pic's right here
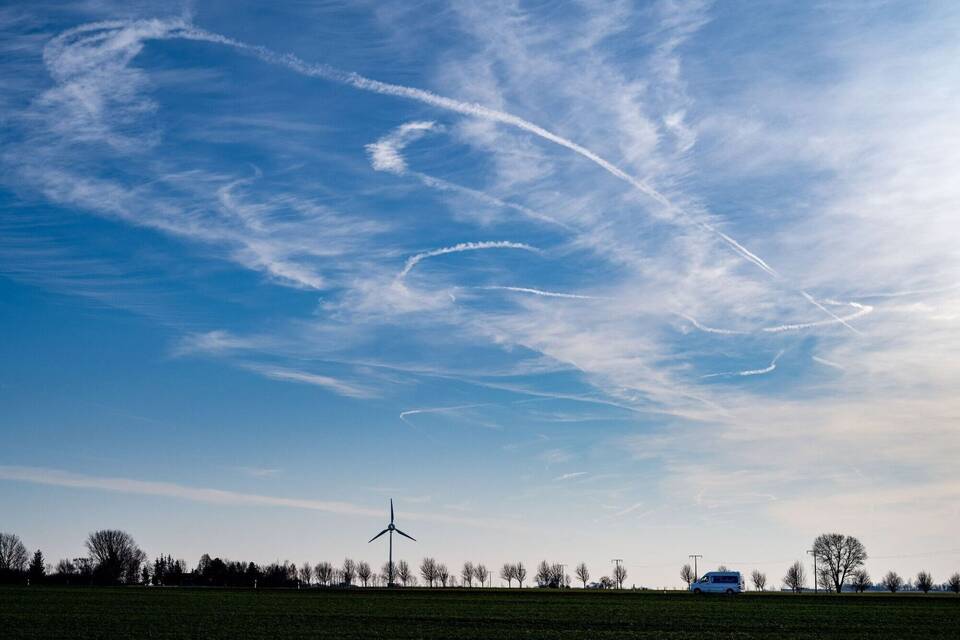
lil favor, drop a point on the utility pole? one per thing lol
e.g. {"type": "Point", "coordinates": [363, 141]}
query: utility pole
{"type": "Point", "coordinates": [816, 577]}
{"type": "Point", "coordinates": [696, 576]}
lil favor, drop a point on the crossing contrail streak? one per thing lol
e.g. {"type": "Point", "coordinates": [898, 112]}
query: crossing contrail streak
{"type": "Point", "coordinates": [160, 29]}
{"type": "Point", "coordinates": [412, 261]}
{"type": "Point", "coordinates": [480, 111]}
{"type": "Point", "coordinates": [861, 310]}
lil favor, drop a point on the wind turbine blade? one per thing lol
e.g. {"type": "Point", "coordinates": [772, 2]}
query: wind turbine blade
{"type": "Point", "coordinates": [405, 535]}
{"type": "Point", "coordinates": [391, 510]}
{"type": "Point", "coordinates": [377, 536]}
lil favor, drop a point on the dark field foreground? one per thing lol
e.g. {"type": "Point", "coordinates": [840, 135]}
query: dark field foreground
{"type": "Point", "coordinates": [456, 613]}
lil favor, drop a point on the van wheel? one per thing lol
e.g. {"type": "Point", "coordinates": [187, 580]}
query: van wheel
{"type": "Point", "coordinates": [697, 591]}
{"type": "Point", "coordinates": [729, 592]}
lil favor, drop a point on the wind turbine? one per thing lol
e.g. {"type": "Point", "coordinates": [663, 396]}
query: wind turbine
{"type": "Point", "coordinates": [390, 529]}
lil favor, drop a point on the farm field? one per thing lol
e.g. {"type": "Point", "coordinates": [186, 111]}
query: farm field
{"type": "Point", "coordinates": [47, 612]}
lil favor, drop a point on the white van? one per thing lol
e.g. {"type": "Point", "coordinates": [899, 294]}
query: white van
{"type": "Point", "coordinates": [719, 582]}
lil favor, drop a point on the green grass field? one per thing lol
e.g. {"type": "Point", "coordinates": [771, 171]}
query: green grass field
{"type": "Point", "coordinates": [494, 613]}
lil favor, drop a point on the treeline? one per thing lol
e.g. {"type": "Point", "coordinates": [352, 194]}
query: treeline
{"type": "Point", "coordinates": [838, 566]}
{"type": "Point", "coordinates": [113, 558]}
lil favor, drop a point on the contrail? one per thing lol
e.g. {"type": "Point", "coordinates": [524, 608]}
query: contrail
{"type": "Point", "coordinates": [386, 155]}
{"type": "Point", "coordinates": [158, 29]}
{"type": "Point", "coordinates": [412, 261]}
{"type": "Point", "coordinates": [706, 329]}
{"type": "Point", "coordinates": [828, 363]}
{"type": "Point", "coordinates": [749, 372]}
{"type": "Point", "coordinates": [480, 111]}
{"type": "Point", "coordinates": [540, 292]}
{"type": "Point", "coordinates": [412, 412]}
{"type": "Point", "coordinates": [862, 310]}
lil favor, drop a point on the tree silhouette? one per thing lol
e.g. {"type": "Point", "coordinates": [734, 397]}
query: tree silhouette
{"type": "Point", "coordinates": [481, 574]}
{"type": "Point", "coordinates": [953, 583]}
{"type": "Point", "coordinates": [860, 580]}
{"type": "Point", "coordinates": [364, 572]}
{"type": "Point", "coordinates": [544, 574]}
{"type": "Point", "coordinates": [619, 574]}
{"type": "Point", "coordinates": [892, 582]}
{"type": "Point", "coordinates": [348, 572]}
{"type": "Point", "coordinates": [686, 574]}
{"type": "Point", "coordinates": [115, 556]}
{"type": "Point", "coordinates": [837, 556]}
{"type": "Point", "coordinates": [466, 574]}
{"type": "Point", "coordinates": [443, 574]}
{"type": "Point", "coordinates": [924, 581]}
{"type": "Point", "coordinates": [13, 558]}
{"type": "Point", "coordinates": [796, 577]}
{"type": "Point", "coordinates": [520, 573]}
{"type": "Point", "coordinates": [759, 580]}
{"type": "Point", "coordinates": [403, 572]}
{"type": "Point", "coordinates": [583, 574]}
{"type": "Point", "coordinates": [324, 573]}
{"type": "Point", "coordinates": [37, 570]}
{"type": "Point", "coordinates": [306, 574]}
{"type": "Point", "coordinates": [428, 569]}
{"type": "Point", "coordinates": [506, 573]}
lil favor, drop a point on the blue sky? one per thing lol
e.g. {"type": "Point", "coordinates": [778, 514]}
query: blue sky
{"type": "Point", "coordinates": [602, 280]}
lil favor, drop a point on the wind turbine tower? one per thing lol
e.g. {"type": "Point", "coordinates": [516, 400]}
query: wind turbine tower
{"type": "Point", "coordinates": [390, 529]}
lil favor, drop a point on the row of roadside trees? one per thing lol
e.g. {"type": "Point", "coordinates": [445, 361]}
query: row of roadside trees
{"type": "Point", "coordinates": [839, 560]}
{"type": "Point", "coordinates": [113, 558]}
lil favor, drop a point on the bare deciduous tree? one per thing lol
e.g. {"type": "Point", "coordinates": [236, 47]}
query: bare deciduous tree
{"type": "Point", "coordinates": [481, 573]}
{"type": "Point", "coordinates": [924, 581]}
{"type": "Point", "coordinates": [66, 568]}
{"type": "Point", "coordinates": [349, 571]}
{"type": "Point", "coordinates": [443, 574]}
{"type": "Point", "coordinates": [557, 577]}
{"type": "Point", "coordinates": [389, 573]}
{"type": "Point", "coordinates": [466, 574]}
{"type": "Point", "coordinates": [324, 573]}
{"type": "Point", "coordinates": [892, 582]}
{"type": "Point", "coordinates": [759, 580]}
{"type": "Point", "coordinates": [583, 574]}
{"type": "Point", "coordinates": [428, 569]}
{"type": "Point", "coordinates": [860, 580]}
{"type": "Point", "coordinates": [686, 574]}
{"type": "Point", "coordinates": [619, 575]}
{"type": "Point", "coordinates": [403, 572]}
{"type": "Point", "coordinates": [543, 574]}
{"type": "Point", "coordinates": [13, 555]}
{"type": "Point", "coordinates": [837, 556]}
{"type": "Point", "coordinates": [796, 577]}
{"type": "Point", "coordinates": [364, 572]}
{"type": "Point", "coordinates": [520, 573]}
{"type": "Point", "coordinates": [115, 556]}
{"type": "Point", "coordinates": [306, 574]}
{"type": "Point", "coordinates": [506, 573]}
{"type": "Point", "coordinates": [953, 583]}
